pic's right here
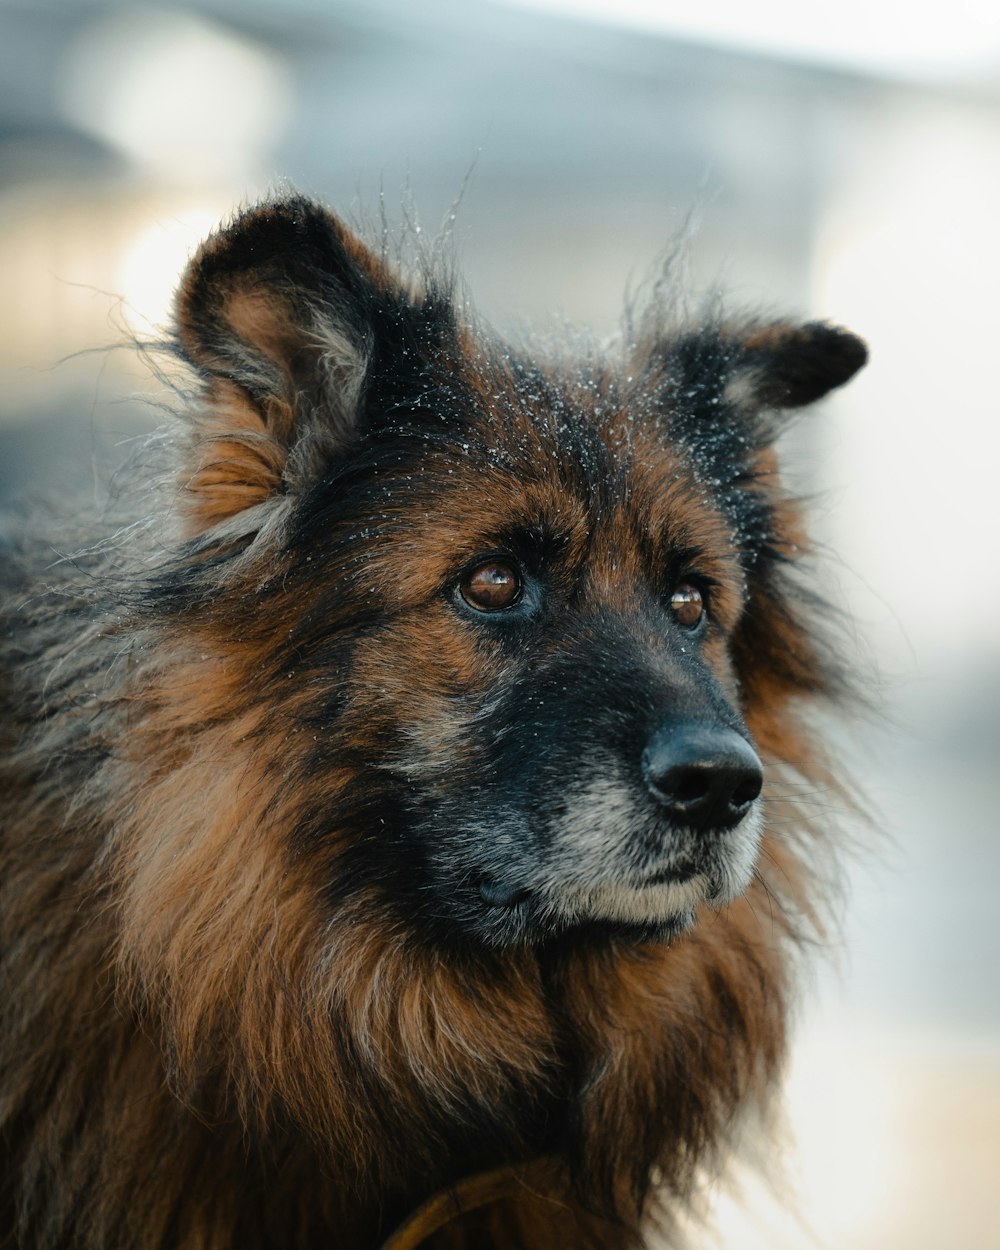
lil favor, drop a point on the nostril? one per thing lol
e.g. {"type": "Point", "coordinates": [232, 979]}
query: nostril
{"type": "Point", "coordinates": [747, 790]}
{"type": "Point", "coordinates": [685, 785]}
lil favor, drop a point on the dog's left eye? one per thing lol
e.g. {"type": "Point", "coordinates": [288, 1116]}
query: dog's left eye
{"type": "Point", "coordinates": [491, 586]}
{"type": "Point", "coordinates": [687, 605]}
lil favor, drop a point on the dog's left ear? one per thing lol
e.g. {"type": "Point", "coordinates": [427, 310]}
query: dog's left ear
{"type": "Point", "coordinates": [290, 321]}
{"type": "Point", "coordinates": [731, 369]}
{"type": "Point", "coordinates": [788, 366]}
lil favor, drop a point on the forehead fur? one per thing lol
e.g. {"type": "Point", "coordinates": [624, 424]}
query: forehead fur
{"type": "Point", "coordinates": [576, 459]}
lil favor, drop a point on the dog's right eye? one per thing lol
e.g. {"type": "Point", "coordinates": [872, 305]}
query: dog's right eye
{"type": "Point", "coordinates": [491, 586]}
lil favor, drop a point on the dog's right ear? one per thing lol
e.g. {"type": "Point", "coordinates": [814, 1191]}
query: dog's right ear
{"type": "Point", "coordinates": [287, 316]}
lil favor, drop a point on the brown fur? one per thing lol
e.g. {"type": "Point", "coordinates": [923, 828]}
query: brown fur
{"type": "Point", "coordinates": [199, 1049]}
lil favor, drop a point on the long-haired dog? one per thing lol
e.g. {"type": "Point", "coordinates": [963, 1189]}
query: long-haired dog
{"type": "Point", "coordinates": [392, 825]}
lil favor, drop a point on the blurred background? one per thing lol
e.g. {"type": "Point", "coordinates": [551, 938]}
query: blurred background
{"type": "Point", "coordinates": [838, 161]}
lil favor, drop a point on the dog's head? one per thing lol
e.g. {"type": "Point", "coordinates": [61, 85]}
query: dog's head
{"type": "Point", "coordinates": [517, 624]}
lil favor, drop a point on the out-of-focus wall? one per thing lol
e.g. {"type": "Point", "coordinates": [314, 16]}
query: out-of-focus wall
{"type": "Point", "coordinates": [581, 150]}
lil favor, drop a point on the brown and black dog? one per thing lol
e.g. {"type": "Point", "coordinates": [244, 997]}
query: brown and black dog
{"type": "Point", "coordinates": [402, 801]}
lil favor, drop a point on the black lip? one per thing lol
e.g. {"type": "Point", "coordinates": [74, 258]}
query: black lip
{"type": "Point", "coordinates": [675, 874]}
{"type": "Point", "coordinates": [495, 893]}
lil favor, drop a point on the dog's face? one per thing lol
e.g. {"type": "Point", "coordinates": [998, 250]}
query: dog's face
{"type": "Point", "coordinates": [549, 673]}
{"type": "Point", "coordinates": [522, 592]}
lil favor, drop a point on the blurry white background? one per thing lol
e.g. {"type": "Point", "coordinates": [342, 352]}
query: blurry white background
{"type": "Point", "coordinates": [840, 162]}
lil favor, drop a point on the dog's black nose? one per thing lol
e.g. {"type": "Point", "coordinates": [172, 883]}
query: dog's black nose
{"type": "Point", "coordinates": [705, 776]}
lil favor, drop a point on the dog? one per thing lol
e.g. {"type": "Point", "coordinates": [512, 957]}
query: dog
{"type": "Point", "coordinates": [394, 841]}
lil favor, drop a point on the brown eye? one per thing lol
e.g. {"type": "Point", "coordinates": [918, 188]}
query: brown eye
{"type": "Point", "coordinates": [687, 605]}
{"type": "Point", "coordinates": [491, 586]}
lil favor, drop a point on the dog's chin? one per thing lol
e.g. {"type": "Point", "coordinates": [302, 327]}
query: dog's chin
{"type": "Point", "coordinates": [638, 911]}
{"type": "Point", "coordinates": [643, 903]}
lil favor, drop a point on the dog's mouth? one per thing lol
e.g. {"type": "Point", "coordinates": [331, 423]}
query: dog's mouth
{"type": "Point", "coordinates": [672, 874]}
{"type": "Point", "coordinates": [635, 881]}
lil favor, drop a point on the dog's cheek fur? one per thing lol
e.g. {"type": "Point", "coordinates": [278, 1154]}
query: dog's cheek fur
{"type": "Point", "coordinates": [779, 649]}
{"type": "Point", "coordinates": [429, 680]}
{"type": "Point", "coordinates": [341, 1025]}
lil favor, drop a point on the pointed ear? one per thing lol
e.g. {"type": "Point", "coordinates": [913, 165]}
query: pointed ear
{"type": "Point", "coordinates": [721, 389]}
{"type": "Point", "coordinates": [788, 366]}
{"type": "Point", "coordinates": [284, 314]}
